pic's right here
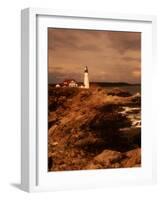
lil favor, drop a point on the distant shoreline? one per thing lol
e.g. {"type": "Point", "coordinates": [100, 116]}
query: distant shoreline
{"type": "Point", "coordinates": [108, 84]}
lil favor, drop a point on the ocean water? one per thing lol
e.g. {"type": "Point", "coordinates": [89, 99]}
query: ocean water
{"type": "Point", "coordinates": [133, 89]}
{"type": "Point", "coordinates": [133, 114]}
{"type": "Point", "coordinates": [130, 112]}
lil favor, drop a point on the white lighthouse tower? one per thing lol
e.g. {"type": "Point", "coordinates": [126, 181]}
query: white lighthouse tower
{"type": "Point", "coordinates": [86, 78]}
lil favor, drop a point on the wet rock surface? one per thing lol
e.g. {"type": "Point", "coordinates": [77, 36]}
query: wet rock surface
{"type": "Point", "coordinates": [89, 129]}
{"type": "Point", "coordinates": [119, 92]}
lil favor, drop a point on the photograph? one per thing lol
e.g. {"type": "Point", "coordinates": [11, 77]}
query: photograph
{"type": "Point", "coordinates": [94, 99]}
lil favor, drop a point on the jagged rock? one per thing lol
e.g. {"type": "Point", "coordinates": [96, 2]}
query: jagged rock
{"type": "Point", "coordinates": [136, 99]}
{"type": "Point", "coordinates": [133, 158]}
{"type": "Point", "coordinates": [130, 137]}
{"type": "Point", "coordinates": [107, 157]}
{"type": "Point", "coordinates": [108, 120]}
{"type": "Point", "coordinates": [119, 92]}
{"type": "Point", "coordinates": [84, 94]}
{"type": "Point", "coordinates": [92, 165]}
{"type": "Point", "coordinates": [52, 129]}
{"type": "Point", "coordinates": [88, 142]}
{"type": "Point", "coordinates": [59, 96]}
{"type": "Point", "coordinates": [86, 130]}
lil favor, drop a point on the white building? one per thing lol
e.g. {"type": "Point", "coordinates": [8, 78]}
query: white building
{"type": "Point", "coordinates": [86, 78]}
{"type": "Point", "coordinates": [73, 83]}
{"type": "Point", "coordinates": [69, 83]}
{"type": "Point", "coordinates": [57, 85]}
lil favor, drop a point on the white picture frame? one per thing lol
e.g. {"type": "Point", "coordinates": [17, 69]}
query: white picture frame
{"type": "Point", "coordinates": [34, 176]}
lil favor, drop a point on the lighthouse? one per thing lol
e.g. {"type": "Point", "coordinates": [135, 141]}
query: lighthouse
{"type": "Point", "coordinates": [86, 78]}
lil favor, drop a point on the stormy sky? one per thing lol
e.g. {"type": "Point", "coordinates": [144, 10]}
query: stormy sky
{"type": "Point", "coordinates": [111, 56]}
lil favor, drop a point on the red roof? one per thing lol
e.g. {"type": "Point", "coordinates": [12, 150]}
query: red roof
{"type": "Point", "coordinates": [67, 81]}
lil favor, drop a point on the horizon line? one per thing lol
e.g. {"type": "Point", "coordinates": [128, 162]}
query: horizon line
{"type": "Point", "coordinates": [119, 82]}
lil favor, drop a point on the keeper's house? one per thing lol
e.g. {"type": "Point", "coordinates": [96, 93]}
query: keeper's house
{"type": "Point", "coordinates": [69, 83]}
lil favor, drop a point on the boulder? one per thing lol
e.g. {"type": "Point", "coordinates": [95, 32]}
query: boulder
{"type": "Point", "coordinates": [109, 120]}
{"type": "Point", "coordinates": [108, 157]}
{"type": "Point", "coordinates": [88, 141]}
{"type": "Point", "coordinates": [133, 158]}
{"type": "Point", "coordinates": [92, 165]}
{"type": "Point", "coordinates": [119, 92]}
{"type": "Point", "coordinates": [136, 99]}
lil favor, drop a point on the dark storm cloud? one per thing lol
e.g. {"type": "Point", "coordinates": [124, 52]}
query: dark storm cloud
{"type": "Point", "coordinates": [109, 55]}
{"type": "Point", "coordinates": [71, 41]}
{"type": "Point", "coordinates": [58, 39]}
{"type": "Point", "coordinates": [124, 41]}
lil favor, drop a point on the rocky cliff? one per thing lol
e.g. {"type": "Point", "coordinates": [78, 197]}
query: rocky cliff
{"type": "Point", "coordinates": [89, 129]}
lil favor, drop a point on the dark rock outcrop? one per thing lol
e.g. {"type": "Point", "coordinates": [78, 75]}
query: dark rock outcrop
{"type": "Point", "coordinates": [119, 92]}
{"type": "Point", "coordinates": [88, 131]}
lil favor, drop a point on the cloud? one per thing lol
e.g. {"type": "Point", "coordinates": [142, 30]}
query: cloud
{"type": "Point", "coordinates": [56, 76]}
{"type": "Point", "coordinates": [131, 59]}
{"type": "Point", "coordinates": [124, 41]}
{"type": "Point", "coordinates": [109, 55]}
{"type": "Point", "coordinates": [136, 73]}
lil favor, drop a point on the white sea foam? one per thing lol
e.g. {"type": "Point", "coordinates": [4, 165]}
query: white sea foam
{"type": "Point", "coordinates": [134, 115]}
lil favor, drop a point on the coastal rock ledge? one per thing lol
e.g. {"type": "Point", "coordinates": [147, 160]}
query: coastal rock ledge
{"type": "Point", "coordinates": [89, 129]}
